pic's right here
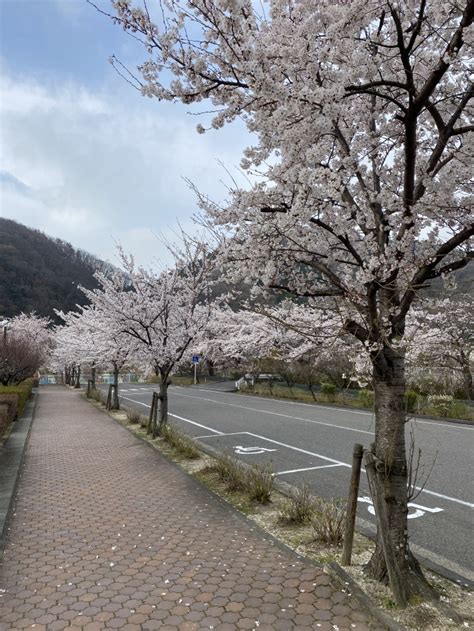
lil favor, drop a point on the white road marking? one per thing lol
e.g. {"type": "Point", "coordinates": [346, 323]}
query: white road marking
{"type": "Point", "coordinates": [133, 401]}
{"type": "Point", "coordinates": [187, 420]}
{"type": "Point", "coordinates": [419, 510]}
{"type": "Point", "coordinates": [423, 490]}
{"type": "Point", "coordinates": [303, 451]}
{"type": "Point", "coordinates": [209, 429]}
{"type": "Point", "coordinates": [333, 408]}
{"type": "Point", "coordinates": [445, 497]}
{"type": "Point", "coordinates": [251, 451]}
{"type": "Point", "coordinates": [295, 418]}
{"type": "Point", "coordinates": [323, 466]}
{"type": "Point", "coordinates": [452, 426]}
{"type": "Point", "coordinates": [222, 434]}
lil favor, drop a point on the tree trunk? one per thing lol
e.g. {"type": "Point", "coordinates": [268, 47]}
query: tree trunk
{"type": "Point", "coordinates": [387, 474]}
{"type": "Point", "coordinates": [93, 373]}
{"type": "Point", "coordinates": [115, 396]}
{"type": "Point", "coordinates": [210, 367]}
{"type": "Point", "coordinates": [467, 377]}
{"type": "Point", "coordinates": [163, 412]}
{"type": "Point", "coordinates": [77, 384]}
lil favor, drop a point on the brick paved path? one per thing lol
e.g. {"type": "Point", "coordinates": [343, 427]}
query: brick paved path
{"type": "Point", "coordinates": [108, 534]}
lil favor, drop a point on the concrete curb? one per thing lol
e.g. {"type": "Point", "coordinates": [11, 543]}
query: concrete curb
{"type": "Point", "coordinates": [12, 454]}
{"type": "Point", "coordinates": [337, 572]}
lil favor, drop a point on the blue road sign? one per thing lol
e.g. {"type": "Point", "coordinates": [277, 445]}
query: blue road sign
{"type": "Point", "coordinates": [196, 359]}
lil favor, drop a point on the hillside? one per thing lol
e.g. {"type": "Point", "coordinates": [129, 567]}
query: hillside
{"type": "Point", "coordinates": [39, 273]}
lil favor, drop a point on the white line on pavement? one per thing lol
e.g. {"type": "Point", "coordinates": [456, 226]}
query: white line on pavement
{"type": "Point", "coordinates": [333, 408]}
{"type": "Point", "coordinates": [445, 497]}
{"type": "Point", "coordinates": [187, 420]}
{"type": "Point", "coordinates": [423, 490]}
{"type": "Point", "coordinates": [324, 466]}
{"type": "Point", "coordinates": [145, 405]}
{"type": "Point", "coordinates": [303, 451]}
{"type": "Point", "coordinates": [222, 434]}
{"type": "Point", "coordinates": [295, 418]}
{"type": "Point", "coordinates": [209, 429]}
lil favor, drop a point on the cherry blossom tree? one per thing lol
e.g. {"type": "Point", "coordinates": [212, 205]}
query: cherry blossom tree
{"type": "Point", "coordinates": [35, 330]}
{"type": "Point", "coordinates": [24, 347]}
{"type": "Point", "coordinates": [363, 120]}
{"type": "Point", "coordinates": [160, 314]}
{"type": "Point", "coordinates": [443, 337]}
{"type": "Point", "coordinates": [88, 337]}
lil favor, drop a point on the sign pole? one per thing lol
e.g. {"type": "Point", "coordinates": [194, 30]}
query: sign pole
{"type": "Point", "coordinates": [195, 374]}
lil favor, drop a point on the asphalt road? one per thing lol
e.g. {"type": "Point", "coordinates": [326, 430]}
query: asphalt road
{"type": "Point", "coordinates": [313, 444]}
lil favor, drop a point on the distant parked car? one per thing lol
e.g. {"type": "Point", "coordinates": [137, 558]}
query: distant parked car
{"type": "Point", "coordinates": [250, 380]}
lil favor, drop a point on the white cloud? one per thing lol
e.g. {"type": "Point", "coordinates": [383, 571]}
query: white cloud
{"type": "Point", "coordinates": [94, 167]}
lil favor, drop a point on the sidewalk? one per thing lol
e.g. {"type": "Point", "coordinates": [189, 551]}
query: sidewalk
{"type": "Point", "coordinates": [107, 533]}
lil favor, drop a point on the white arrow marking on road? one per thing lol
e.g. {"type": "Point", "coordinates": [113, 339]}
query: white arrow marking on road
{"type": "Point", "coordinates": [250, 451]}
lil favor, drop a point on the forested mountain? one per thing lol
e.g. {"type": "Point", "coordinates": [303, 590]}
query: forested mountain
{"type": "Point", "coordinates": [39, 273]}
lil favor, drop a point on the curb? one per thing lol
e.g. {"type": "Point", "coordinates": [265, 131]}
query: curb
{"type": "Point", "coordinates": [12, 454]}
{"type": "Point", "coordinates": [338, 573]}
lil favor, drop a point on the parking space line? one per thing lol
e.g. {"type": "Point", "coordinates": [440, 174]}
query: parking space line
{"type": "Point", "coordinates": [303, 451]}
{"type": "Point", "coordinates": [324, 466]}
{"type": "Point", "coordinates": [181, 418]}
{"type": "Point", "coordinates": [221, 434]}
{"type": "Point", "coordinates": [209, 429]}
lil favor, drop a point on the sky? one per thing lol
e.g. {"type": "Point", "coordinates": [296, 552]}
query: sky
{"type": "Point", "coordinates": [83, 156]}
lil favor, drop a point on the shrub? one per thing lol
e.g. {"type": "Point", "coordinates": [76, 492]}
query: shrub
{"type": "Point", "coordinates": [459, 409]}
{"type": "Point", "coordinates": [179, 441]}
{"type": "Point", "coordinates": [231, 472]}
{"type": "Point", "coordinates": [15, 399]}
{"type": "Point", "coordinates": [329, 521]}
{"type": "Point", "coordinates": [328, 389]}
{"type": "Point", "coordinates": [133, 416]}
{"type": "Point", "coordinates": [441, 403]}
{"type": "Point", "coordinates": [256, 482]}
{"type": "Point", "coordinates": [366, 398]}
{"type": "Point", "coordinates": [412, 400]}
{"type": "Point", "coordinates": [299, 507]}
{"type": "Point", "coordinates": [23, 390]}
{"type": "Point", "coordinates": [259, 483]}
{"type": "Point", "coordinates": [97, 395]}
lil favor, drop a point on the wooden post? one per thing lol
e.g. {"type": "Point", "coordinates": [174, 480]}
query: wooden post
{"type": "Point", "coordinates": [352, 504]}
{"type": "Point", "coordinates": [396, 581]}
{"type": "Point", "coordinates": [153, 412]}
{"type": "Point", "coordinates": [109, 398]}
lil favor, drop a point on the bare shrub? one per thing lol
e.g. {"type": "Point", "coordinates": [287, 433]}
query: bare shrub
{"type": "Point", "coordinates": [229, 471]}
{"type": "Point", "coordinates": [133, 416]}
{"type": "Point", "coordinates": [329, 520]}
{"type": "Point", "coordinates": [259, 483]}
{"type": "Point", "coordinates": [18, 360]}
{"type": "Point", "coordinates": [299, 507]}
{"type": "Point", "coordinates": [179, 441]}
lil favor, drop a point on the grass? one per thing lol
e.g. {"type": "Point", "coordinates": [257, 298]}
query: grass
{"type": "Point", "coordinates": [256, 482]}
{"type": "Point", "coordinates": [299, 507]}
{"type": "Point", "coordinates": [329, 520]}
{"type": "Point", "coordinates": [180, 442]}
{"type": "Point", "coordinates": [134, 417]}
{"type": "Point", "coordinates": [364, 401]}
